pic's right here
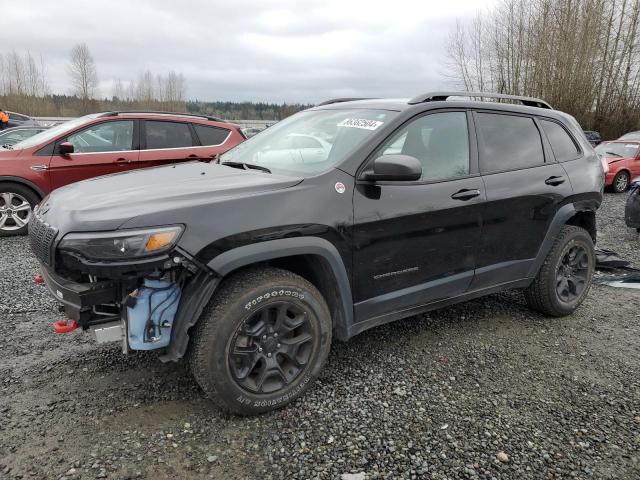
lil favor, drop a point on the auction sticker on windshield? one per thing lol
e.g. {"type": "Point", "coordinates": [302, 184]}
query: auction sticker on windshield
{"type": "Point", "coordinates": [360, 123]}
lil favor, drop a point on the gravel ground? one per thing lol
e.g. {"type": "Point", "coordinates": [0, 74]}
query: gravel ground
{"type": "Point", "coordinates": [487, 389]}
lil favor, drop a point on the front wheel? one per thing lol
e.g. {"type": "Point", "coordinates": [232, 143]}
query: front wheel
{"type": "Point", "coordinates": [565, 276]}
{"type": "Point", "coordinates": [621, 182]}
{"type": "Point", "coordinates": [16, 207]}
{"type": "Point", "coordinates": [261, 341]}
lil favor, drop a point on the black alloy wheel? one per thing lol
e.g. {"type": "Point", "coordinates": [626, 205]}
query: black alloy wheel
{"type": "Point", "coordinates": [271, 347]}
{"type": "Point", "coordinates": [572, 273]}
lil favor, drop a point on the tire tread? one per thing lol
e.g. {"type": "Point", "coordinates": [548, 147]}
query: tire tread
{"type": "Point", "coordinates": [236, 285]}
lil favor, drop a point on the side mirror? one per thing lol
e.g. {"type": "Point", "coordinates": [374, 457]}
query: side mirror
{"type": "Point", "coordinates": [66, 148]}
{"type": "Point", "coordinates": [403, 168]}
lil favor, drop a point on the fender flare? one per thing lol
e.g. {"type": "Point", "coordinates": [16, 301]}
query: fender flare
{"type": "Point", "coordinates": [563, 214]}
{"type": "Point", "coordinates": [246, 255]}
{"type": "Point", "coordinates": [22, 181]}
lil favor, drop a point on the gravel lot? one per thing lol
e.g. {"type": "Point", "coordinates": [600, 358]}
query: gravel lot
{"type": "Point", "coordinates": [487, 389]}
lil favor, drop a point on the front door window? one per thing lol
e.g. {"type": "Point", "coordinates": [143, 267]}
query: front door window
{"type": "Point", "coordinates": [440, 141]}
{"type": "Point", "coordinates": [104, 137]}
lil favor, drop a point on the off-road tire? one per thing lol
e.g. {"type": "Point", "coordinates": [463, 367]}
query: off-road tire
{"type": "Point", "coordinates": [542, 294]}
{"type": "Point", "coordinates": [235, 302]}
{"type": "Point", "coordinates": [617, 185]}
{"type": "Point", "coordinates": [28, 195]}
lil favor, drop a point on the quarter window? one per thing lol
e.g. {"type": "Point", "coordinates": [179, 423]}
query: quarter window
{"type": "Point", "coordinates": [167, 135]}
{"type": "Point", "coordinates": [440, 141]}
{"type": "Point", "coordinates": [561, 143]}
{"type": "Point", "coordinates": [509, 142]}
{"type": "Point", "coordinates": [211, 135]}
{"type": "Point", "coordinates": [104, 137]}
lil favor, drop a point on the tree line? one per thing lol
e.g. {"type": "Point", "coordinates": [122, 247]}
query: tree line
{"type": "Point", "coordinates": [581, 56]}
{"type": "Point", "coordinates": [24, 88]}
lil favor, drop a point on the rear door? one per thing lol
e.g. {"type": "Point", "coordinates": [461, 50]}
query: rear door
{"type": "Point", "coordinates": [167, 141]}
{"type": "Point", "coordinates": [99, 149]}
{"type": "Point", "coordinates": [211, 140]}
{"type": "Point", "coordinates": [525, 186]}
{"type": "Point", "coordinates": [415, 242]}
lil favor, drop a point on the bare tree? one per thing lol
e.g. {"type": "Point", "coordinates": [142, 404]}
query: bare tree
{"type": "Point", "coordinates": [82, 70]}
{"type": "Point", "coordinates": [580, 55]}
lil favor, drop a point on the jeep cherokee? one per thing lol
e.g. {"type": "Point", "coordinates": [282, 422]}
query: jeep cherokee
{"type": "Point", "coordinates": [340, 218]}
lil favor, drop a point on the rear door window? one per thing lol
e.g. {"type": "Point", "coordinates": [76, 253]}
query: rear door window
{"type": "Point", "coordinates": [564, 148]}
{"type": "Point", "coordinates": [167, 135]}
{"type": "Point", "coordinates": [211, 135]}
{"type": "Point", "coordinates": [508, 142]}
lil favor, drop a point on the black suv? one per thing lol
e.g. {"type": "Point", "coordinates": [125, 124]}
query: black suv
{"type": "Point", "coordinates": [340, 218]}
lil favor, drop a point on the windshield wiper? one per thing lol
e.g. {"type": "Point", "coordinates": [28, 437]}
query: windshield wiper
{"type": "Point", "coordinates": [613, 153]}
{"type": "Point", "coordinates": [246, 166]}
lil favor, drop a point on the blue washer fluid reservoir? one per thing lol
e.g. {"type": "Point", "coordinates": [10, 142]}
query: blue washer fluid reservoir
{"type": "Point", "coordinates": [151, 318]}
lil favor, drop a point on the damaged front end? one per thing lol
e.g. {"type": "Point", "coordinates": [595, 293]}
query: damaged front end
{"type": "Point", "coordinates": [132, 286]}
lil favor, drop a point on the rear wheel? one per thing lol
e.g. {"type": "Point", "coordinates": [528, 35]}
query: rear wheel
{"type": "Point", "coordinates": [621, 182]}
{"type": "Point", "coordinates": [261, 341]}
{"type": "Point", "coordinates": [16, 208]}
{"type": "Point", "coordinates": [565, 276]}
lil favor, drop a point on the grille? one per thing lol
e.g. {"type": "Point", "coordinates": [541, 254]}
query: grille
{"type": "Point", "coordinates": [41, 237]}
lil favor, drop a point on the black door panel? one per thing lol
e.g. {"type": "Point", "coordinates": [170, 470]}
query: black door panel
{"type": "Point", "coordinates": [407, 236]}
{"type": "Point", "coordinates": [519, 208]}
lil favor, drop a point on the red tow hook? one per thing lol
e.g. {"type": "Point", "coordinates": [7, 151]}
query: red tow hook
{"type": "Point", "coordinates": [38, 279]}
{"type": "Point", "coordinates": [62, 326]}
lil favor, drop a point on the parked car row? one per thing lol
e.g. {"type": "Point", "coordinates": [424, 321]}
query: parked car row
{"type": "Point", "coordinates": [101, 144]}
{"type": "Point", "coordinates": [21, 120]}
{"type": "Point", "coordinates": [11, 136]}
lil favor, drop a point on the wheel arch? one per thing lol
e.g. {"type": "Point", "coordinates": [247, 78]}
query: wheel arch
{"type": "Point", "coordinates": [623, 169]}
{"type": "Point", "coordinates": [581, 214]}
{"type": "Point", "coordinates": [25, 183]}
{"type": "Point", "coordinates": [584, 219]}
{"type": "Point", "coordinates": [313, 258]}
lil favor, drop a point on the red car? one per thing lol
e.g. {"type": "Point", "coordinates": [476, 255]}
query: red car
{"type": "Point", "coordinates": [623, 159]}
{"type": "Point", "coordinates": [101, 144]}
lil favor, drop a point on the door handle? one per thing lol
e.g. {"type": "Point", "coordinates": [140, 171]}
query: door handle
{"type": "Point", "coordinates": [122, 160]}
{"type": "Point", "coordinates": [466, 194]}
{"type": "Point", "coordinates": [554, 180]}
{"type": "Point", "coordinates": [193, 156]}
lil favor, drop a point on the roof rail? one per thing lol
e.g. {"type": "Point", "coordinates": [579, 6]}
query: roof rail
{"type": "Point", "coordinates": [182, 114]}
{"type": "Point", "coordinates": [340, 100]}
{"type": "Point", "coordinates": [441, 96]}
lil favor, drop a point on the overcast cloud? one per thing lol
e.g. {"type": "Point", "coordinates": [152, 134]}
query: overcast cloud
{"type": "Point", "coordinates": [293, 51]}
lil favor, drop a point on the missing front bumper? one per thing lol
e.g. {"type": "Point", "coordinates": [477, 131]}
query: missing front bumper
{"type": "Point", "coordinates": [80, 298]}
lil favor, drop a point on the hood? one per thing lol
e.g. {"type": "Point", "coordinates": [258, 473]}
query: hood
{"type": "Point", "coordinates": [613, 159]}
{"type": "Point", "coordinates": [106, 203]}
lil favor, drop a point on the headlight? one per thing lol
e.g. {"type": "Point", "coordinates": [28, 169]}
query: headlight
{"type": "Point", "coordinates": [123, 244]}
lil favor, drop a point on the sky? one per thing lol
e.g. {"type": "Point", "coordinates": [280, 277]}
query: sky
{"type": "Point", "coordinates": [247, 50]}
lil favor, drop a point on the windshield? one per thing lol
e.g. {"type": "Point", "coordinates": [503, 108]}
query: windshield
{"type": "Point", "coordinates": [52, 133]}
{"type": "Point", "coordinates": [618, 149]}
{"type": "Point", "coordinates": [309, 142]}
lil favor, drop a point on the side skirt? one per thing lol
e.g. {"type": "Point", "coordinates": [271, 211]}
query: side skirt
{"type": "Point", "coordinates": [409, 312]}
